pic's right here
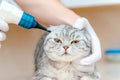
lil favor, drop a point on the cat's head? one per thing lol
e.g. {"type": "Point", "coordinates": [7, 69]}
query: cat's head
{"type": "Point", "coordinates": [66, 43]}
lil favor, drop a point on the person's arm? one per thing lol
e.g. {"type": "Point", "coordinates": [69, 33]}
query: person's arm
{"type": "Point", "coordinates": [48, 12]}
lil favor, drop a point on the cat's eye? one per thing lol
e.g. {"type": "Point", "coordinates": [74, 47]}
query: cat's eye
{"type": "Point", "coordinates": [57, 40]}
{"type": "Point", "coordinates": [74, 42]}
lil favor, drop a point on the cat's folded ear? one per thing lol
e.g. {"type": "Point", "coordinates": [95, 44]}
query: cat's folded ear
{"type": "Point", "coordinates": [51, 28]}
{"type": "Point", "coordinates": [56, 27]}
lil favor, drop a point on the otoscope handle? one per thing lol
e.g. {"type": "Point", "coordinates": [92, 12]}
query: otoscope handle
{"type": "Point", "coordinates": [12, 14]}
{"type": "Point", "coordinates": [27, 21]}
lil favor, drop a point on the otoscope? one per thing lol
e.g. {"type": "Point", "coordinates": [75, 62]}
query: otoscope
{"type": "Point", "coordinates": [12, 14]}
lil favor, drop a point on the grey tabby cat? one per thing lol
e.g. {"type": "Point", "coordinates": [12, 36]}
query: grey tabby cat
{"type": "Point", "coordinates": [56, 52]}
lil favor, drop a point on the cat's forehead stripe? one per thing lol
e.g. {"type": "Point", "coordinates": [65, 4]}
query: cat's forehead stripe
{"type": "Point", "coordinates": [73, 34]}
{"type": "Point", "coordinates": [68, 32]}
{"type": "Point", "coordinates": [62, 33]}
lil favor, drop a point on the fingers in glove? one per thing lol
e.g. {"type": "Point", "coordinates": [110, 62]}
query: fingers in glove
{"type": "Point", "coordinates": [96, 47]}
{"type": "Point", "coordinates": [3, 26]}
{"type": "Point", "coordinates": [83, 68]}
{"type": "Point", "coordinates": [79, 24]}
{"type": "Point", "coordinates": [95, 56]}
{"type": "Point", "coordinates": [2, 36]}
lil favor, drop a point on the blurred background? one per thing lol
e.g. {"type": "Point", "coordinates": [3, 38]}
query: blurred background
{"type": "Point", "coordinates": [16, 54]}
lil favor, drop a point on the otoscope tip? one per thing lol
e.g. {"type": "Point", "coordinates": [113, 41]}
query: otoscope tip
{"type": "Point", "coordinates": [48, 31]}
{"type": "Point", "coordinates": [39, 26]}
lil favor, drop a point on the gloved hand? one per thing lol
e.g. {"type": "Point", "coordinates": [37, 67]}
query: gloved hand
{"type": "Point", "coordinates": [4, 25]}
{"type": "Point", "coordinates": [83, 68]}
{"type": "Point", "coordinates": [3, 28]}
{"type": "Point", "coordinates": [96, 48]}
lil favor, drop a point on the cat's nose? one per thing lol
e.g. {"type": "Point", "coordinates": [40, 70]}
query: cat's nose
{"type": "Point", "coordinates": [65, 47]}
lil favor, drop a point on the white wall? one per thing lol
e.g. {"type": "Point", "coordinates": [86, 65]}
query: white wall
{"type": "Point", "coordinates": [87, 3]}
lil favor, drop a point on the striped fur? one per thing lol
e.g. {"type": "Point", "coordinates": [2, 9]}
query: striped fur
{"type": "Point", "coordinates": [54, 62]}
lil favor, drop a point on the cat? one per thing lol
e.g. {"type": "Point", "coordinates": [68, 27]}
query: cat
{"type": "Point", "coordinates": [56, 52]}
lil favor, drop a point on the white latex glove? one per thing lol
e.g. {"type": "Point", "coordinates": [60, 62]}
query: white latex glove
{"type": "Point", "coordinates": [3, 28]}
{"type": "Point", "coordinates": [13, 2]}
{"type": "Point", "coordinates": [96, 47]}
{"type": "Point", "coordinates": [4, 25]}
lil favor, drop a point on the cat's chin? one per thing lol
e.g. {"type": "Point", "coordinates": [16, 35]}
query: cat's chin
{"type": "Point", "coordinates": [65, 58]}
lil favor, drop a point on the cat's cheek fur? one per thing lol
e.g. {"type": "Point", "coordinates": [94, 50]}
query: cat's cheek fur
{"type": "Point", "coordinates": [76, 52]}
{"type": "Point", "coordinates": [57, 56]}
{"type": "Point", "coordinates": [53, 53]}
